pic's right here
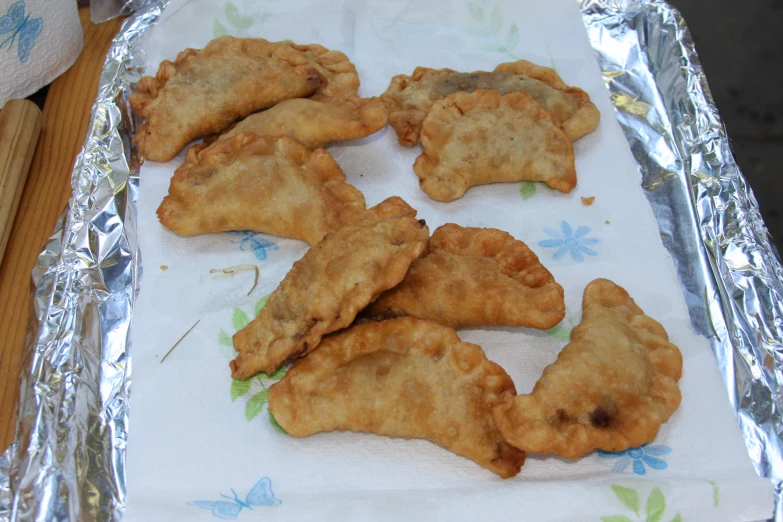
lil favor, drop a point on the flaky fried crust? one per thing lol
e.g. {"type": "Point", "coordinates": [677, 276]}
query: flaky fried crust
{"type": "Point", "coordinates": [410, 98]}
{"type": "Point", "coordinates": [251, 182]}
{"type": "Point", "coordinates": [205, 91]}
{"type": "Point", "coordinates": [401, 378]}
{"type": "Point", "coordinates": [334, 280]}
{"type": "Point", "coordinates": [611, 387]}
{"type": "Point", "coordinates": [483, 137]}
{"type": "Point", "coordinates": [316, 124]}
{"type": "Point", "coordinates": [339, 78]}
{"type": "Point", "coordinates": [576, 123]}
{"type": "Point", "coordinates": [475, 277]}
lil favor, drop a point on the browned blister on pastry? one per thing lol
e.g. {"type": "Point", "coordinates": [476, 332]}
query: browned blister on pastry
{"type": "Point", "coordinates": [205, 91]}
{"type": "Point", "coordinates": [475, 277]}
{"type": "Point", "coordinates": [483, 137]}
{"type": "Point", "coordinates": [315, 124]}
{"type": "Point", "coordinates": [410, 98]}
{"type": "Point", "coordinates": [339, 78]}
{"type": "Point", "coordinates": [611, 387]}
{"type": "Point", "coordinates": [334, 280]}
{"type": "Point", "coordinates": [403, 378]}
{"type": "Point", "coordinates": [261, 183]}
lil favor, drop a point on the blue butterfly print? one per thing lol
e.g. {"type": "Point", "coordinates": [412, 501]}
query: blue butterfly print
{"type": "Point", "coordinates": [259, 245]}
{"type": "Point", "coordinates": [260, 495]}
{"type": "Point", "coordinates": [24, 27]}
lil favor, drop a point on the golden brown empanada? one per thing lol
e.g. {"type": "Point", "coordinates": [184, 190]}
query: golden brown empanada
{"type": "Point", "coordinates": [261, 183]}
{"type": "Point", "coordinates": [403, 378]}
{"type": "Point", "coordinates": [334, 280]}
{"type": "Point", "coordinates": [204, 91]}
{"type": "Point", "coordinates": [475, 277]}
{"type": "Point", "coordinates": [339, 78]}
{"type": "Point", "coordinates": [482, 137]}
{"type": "Point", "coordinates": [410, 98]}
{"type": "Point", "coordinates": [611, 387]}
{"type": "Point", "coordinates": [315, 124]}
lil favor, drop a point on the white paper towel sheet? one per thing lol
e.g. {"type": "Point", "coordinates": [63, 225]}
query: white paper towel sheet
{"type": "Point", "coordinates": [39, 40]}
{"type": "Point", "coordinates": [197, 436]}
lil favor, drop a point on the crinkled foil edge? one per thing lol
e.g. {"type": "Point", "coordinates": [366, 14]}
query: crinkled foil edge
{"type": "Point", "coordinates": [708, 217]}
{"type": "Point", "coordinates": [68, 459]}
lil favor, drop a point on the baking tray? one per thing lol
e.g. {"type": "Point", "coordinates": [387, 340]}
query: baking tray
{"type": "Point", "coordinates": [68, 459]}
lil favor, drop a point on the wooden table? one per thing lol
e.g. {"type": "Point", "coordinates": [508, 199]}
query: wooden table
{"type": "Point", "coordinates": [66, 115]}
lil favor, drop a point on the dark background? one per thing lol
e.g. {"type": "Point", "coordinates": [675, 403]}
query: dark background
{"type": "Point", "coordinates": [740, 45]}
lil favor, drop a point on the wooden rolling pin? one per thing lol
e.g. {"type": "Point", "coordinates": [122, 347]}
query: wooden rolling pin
{"type": "Point", "coordinates": [20, 125]}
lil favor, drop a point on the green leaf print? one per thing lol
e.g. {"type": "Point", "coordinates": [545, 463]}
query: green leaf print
{"type": "Point", "coordinates": [513, 36]}
{"type": "Point", "coordinates": [274, 423]}
{"type": "Point", "coordinates": [476, 12]}
{"type": "Point", "coordinates": [481, 32]}
{"type": "Point", "coordinates": [560, 332]}
{"type": "Point", "coordinates": [260, 304]}
{"type": "Point", "coordinates": [239, 318]}
{"type": "Point", "coordinates": [491, 30]}
{"type": "Point", "coordinates": [616, 518]}
{"type": "Point", "coordinates": [232, 15]}
{"type": "Point", "coordinates": [218, 29]}
{"type": "Point", "coordinates": [677, 518]}
{"type": "Point", "coordinates": [656, 505]}
{"type": "Point", "coordinates": [255, 404]}
{"type": "Point", "coordinates": [495, 21]}
{"type": "Point", "coordinates": [277, 374]}
{"type": "Point", "coordinates": [627, 496]}
{"type": "Point", "coordinates": [239, 388]}
{"type": "Point", "coordinates": [715, 490]}
{"type": "Point", "coordinates": [493, 48]}
{"type": "Point", "coordinates": [527, 190]}
{"type": "Point", "coordinates": [225, 339]}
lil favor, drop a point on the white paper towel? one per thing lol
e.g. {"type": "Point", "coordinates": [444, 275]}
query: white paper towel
{"type": "Point", "coordinates": [39, 40]}
{"type": "Point", "coordinates": [195, 434]}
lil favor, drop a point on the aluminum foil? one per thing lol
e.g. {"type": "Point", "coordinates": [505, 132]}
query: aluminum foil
{"type": "Point", "coordinates": [707, 214]}
{"type": "Point", "coordinates": [68, 459]}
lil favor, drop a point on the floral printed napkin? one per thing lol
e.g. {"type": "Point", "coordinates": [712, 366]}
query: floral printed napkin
{"type": "Point", "coordinates": [202, 446]}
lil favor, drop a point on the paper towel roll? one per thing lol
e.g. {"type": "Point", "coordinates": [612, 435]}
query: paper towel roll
{"type": "Point", "coordinates": [39, 40]}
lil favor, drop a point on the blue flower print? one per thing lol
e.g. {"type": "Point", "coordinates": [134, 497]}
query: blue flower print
{"type": "Point", "coordinates": [257, 244]}
{"type": "Point", "coordinates": [569, 242]}
{"type": "Point", "coordinates": [641, 456]}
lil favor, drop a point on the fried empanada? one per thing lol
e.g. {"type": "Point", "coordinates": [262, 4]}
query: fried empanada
{"type": "Point", "coordinates": [475, 277]}
{"type": "Point", "coordinates": [205, 91]}
{"type": "Point", "coordinates": [403, 378]}
{"type": "Point", "coordinates": [571, 106]}
{"type": "Point", "coordinates": [410, 98]}
{"type": "Point", "coordinates": [334, 280]}
{"type": "Point", "coordinates": [261, 183]}
{"type": "Point", "coordinates": [339, 78]}
{"type": "Point", "coordinates": [611, 387]}
{"type": "Point", "coordinates": [483, 137]}
{"type": "Point", "coordinates": [316, 124]}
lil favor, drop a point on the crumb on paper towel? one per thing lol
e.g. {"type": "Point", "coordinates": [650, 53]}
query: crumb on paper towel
{"type": "Point", "coordinates": [608, 222]}
{"type": "Point", "coordinates": [164, 267]}
{"type": "Point", "coordinates": [587, 201]}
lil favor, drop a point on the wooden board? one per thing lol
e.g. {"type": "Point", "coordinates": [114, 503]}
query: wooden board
{"type": "Point", "coordinates": [20, 126]}
{"type": "Point", "coordinates": [66, 115]}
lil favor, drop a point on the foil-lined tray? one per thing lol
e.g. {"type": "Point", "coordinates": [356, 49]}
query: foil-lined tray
{"type": "Point", "coordinates": [68, 459]}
